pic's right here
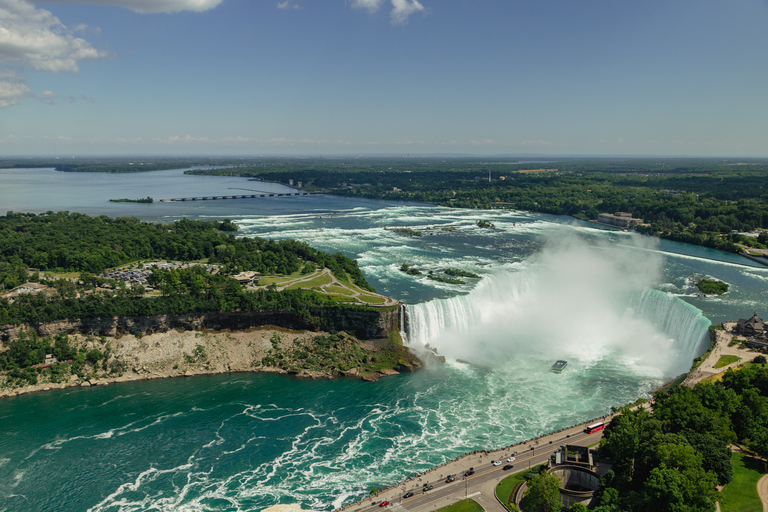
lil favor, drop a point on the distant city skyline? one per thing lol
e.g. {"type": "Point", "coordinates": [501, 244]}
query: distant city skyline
{"type": "Point", "coordinates": [384, 77]}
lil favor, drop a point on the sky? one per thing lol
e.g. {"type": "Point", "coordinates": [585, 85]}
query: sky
{"type": "Point", "coordinates": [334, 77]}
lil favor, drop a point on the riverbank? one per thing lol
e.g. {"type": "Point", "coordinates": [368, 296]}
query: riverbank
{"type": "Point", "coordinates": [186, 353]}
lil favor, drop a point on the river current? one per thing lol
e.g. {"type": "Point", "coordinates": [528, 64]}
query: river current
{"type": "Point", "coordinates": [622, 309]}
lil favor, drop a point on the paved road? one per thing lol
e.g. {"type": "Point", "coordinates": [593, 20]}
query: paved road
{"type": "Point", "coordinates": [480, 486]}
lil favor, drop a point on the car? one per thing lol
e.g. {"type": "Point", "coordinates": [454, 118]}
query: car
{"type": "Point", "coordinates": [427, 487]}
{"type": "Point", "coordinates": [407, 495]}
{"type": "Point", "coordinates": [383, 503]}
{"type": "Point", "coordinates": [507, 466]}
{"type": "Point", "coordinates": [470, 472]}
{"type": "Point", "coordinates": [511, 459]}
{"type": "Point", "coordinates": [497, 463]}
{"type": "Point", "coordinates": [450, 479]}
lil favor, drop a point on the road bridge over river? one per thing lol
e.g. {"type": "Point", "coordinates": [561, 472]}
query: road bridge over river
{"type": "Point", "coordinates": [234, 196]}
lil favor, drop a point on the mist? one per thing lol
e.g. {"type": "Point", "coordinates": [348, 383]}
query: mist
{"type": "Point", "coordinates": [575, 300]}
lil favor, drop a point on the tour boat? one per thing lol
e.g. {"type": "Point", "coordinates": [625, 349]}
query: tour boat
{"type": "Point", "coordinates": [559, 366]}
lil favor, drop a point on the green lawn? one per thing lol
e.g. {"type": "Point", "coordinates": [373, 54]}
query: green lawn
{"type": "Point", "coordinates": [312, 283]}
{"type": "Point", "coordinates": [725, 361]}
{"type": "Point", "coordinates": [373, 299]}
{"type": "Point", "coordinates": [740, 494]}
{"type": "Point", "coordinates": [338, 289]}
{"type": "Point", "coordinates": [505, 487]}
{"type": "Point", "coordinates": [462, 506]}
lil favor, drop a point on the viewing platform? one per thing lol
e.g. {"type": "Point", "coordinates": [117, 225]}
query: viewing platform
{"type": "Point", "coordinates": [236, 196]}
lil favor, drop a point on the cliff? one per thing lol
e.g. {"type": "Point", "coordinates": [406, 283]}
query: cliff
{"type": "Point", "coordinates": [364, 323]}
{"type": "Point", "coordinates": [135, 348]}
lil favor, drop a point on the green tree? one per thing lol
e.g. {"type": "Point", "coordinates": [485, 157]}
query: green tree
{"type": "Point", "coordinates": [543, 494]}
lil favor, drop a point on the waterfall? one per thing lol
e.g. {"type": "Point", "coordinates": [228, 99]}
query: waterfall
{"type": "Point", "coordinates": [513, 316]}
{"type": "Point", "coordinates": [676, 318]}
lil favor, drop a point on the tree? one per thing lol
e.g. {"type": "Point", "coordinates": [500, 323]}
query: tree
{"type": "Point", "coordinates": [543, 494]}
{"type": "Point", "coordinates": [578, 507]}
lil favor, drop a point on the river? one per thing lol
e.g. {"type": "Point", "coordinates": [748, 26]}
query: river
{"type": "Point", "coordinates": [622, 309]}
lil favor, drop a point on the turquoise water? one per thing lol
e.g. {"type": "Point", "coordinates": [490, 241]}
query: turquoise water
{"type": "Point", "coordinates": [623, 310]}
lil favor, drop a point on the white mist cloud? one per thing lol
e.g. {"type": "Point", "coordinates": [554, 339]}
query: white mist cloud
{"type": "Point", "coordinates": [575, 300]}
{"type": "Point", "coordinates": [154, 6]}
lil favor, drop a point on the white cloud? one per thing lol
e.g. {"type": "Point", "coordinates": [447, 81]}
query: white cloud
{"type": "Point", "coordinates": [402, 9]}
{"type": "Point", "coordinates": [12, 91]}
{"type": "Point", "coordinates": [36, 38]}
{"type": "Point", "coordinates": [155, 6]}
{"type": "Point", "coordinates": [371, 5]}
{"type": "Point", "coordinates": [288, 4]}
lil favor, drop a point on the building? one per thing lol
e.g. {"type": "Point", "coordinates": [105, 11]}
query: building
{"type": "Point", "coordinates": [753, 327]}
{"type": "Point", "coordinates": [619, 219]}
{"type": "Point", "coordinates": [754, 331]}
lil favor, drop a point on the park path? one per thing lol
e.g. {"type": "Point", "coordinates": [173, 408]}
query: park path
{"type": "Point", "coordinates": [762, 491]}
{"type": "Point", "coordinates": [356, 292]}
{"type": "Point", "coordinates": [723, 338]}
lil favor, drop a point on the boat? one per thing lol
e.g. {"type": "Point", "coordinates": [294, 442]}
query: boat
{"type": "Point", "coordinates": [559, 366]}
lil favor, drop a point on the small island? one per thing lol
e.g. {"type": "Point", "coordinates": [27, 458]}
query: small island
{"type": "Point", "coordinates": [147, 199]}
{"type": "Point", "coordinates": [712, 287]}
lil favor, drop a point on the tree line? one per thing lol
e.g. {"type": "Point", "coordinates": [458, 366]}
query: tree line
{"type": "Point", "coordinates": [672, 457]}
{"type": "Point", "coordinates": [75, 242]}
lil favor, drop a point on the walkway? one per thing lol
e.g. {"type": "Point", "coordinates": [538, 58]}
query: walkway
{"type": "Point", "coordinates": [481, 486]}
{"type": "Point", "coordinates": [762, 491]}
{"type": "Point", "coordinates": [723, 338]}
{"type": "Point", "coordinates": [356, 293]}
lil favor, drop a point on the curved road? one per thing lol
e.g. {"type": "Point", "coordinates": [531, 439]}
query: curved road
{"type": "Point", "coordinates": [480, 486]}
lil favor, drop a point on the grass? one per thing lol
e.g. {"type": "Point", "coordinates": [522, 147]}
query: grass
{"type": "Point", "coordinates": [312, 283]}
{"type": "Point", "coordinates": [373, 299]}
{"type": "Point", "coordinates": [462, 506]}
{"type": "Point", "coordinates": [726, 360]}
{"type": "Point", "coordinates": [507, 485]}
{"type": "Point", "coordinates": [280, 278]}
{"type": "Point", "coordinates": [340, 290]}
{"type": "Point", "coordinates": [740, 494]}
{"type": "Point", "coordinates": [719, 376]}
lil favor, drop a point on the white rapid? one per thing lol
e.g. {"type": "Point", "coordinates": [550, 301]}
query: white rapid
{"type": "Point", "coordinates": [573, 301]}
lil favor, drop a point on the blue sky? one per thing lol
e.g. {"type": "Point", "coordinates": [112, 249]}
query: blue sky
{"type": "Point", "coordinates": [250, 77]}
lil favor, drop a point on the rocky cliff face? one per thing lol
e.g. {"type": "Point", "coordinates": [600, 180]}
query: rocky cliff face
{"type": "Point", "coordinates": [365, 324]}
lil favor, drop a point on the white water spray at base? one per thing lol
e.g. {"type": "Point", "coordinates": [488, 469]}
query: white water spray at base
{"type": "Point", "coordinates": [575, 302]}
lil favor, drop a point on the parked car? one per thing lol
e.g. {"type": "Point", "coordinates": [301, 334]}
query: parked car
{"type": "Point", "coordinates": [407, 495]}
{"type": "Point", "coordinates": [470, 472]}
{"type": "Point", "coordinates": [427, 487]}
{"type": "Point", "coordinates": [450, 479]}
{"type": "Point", "coordinates": [497, 463]}
{"type": "Point", "coordinates": [511, 459]}
{"type": "Point", "coordinates": [507, 466]}
{"type": "Point", "coordinates": [383, 503]}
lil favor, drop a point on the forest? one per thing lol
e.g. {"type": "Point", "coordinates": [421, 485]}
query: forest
{"type": "Point", "coordinates": [697, 201]}
{"type": "Point", "coordinates": [672, 457]}
{"type": "Point", "coordinates": [73, 242]}
{"type": "Point", "coordinates": [64, 242]}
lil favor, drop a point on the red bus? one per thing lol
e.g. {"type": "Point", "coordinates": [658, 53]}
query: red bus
{"type": "Point", "coordinates": [595, 427]}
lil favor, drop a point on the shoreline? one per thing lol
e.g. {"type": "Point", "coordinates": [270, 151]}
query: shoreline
{"type": "Point", "coordinates": [190, 353]}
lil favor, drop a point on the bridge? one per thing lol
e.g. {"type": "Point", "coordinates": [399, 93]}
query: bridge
{"type": "Point", "coordinates": [237, 196]}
